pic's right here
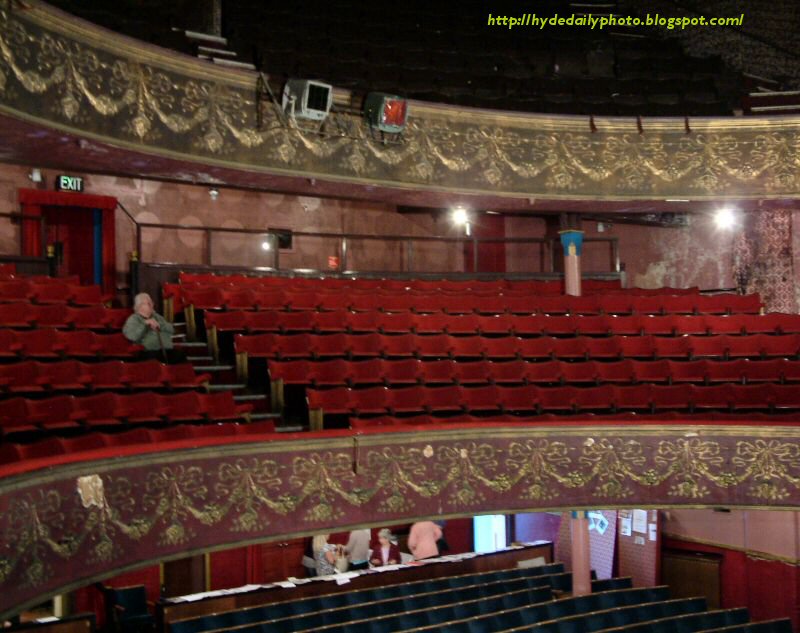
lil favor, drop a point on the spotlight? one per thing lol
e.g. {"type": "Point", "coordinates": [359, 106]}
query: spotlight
{"type": "Point", "coordinates": [213, 193]}
{"type": "Point", "coordinates": [386, 113]}
{"type": "Point", "coordinates": [460, 216]}
{"type": "Point", "coordinates": [725, 218]}
{"type": "Point", "coordinates": [265, 245]}
{"type": "Point", "coordinates": [307, 99]}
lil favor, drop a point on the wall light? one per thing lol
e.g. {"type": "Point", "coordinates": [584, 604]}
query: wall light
{"type": "Point", "coordinates": [460, 217]}
{"type": "Point", "coordinates": [213, 193]}
{"type": "Point", "coordinates": [266, 246]}
{"type": "Point", "coordinates": [725, 219]}
{"type": "Point", "coordinates": [35, 175]}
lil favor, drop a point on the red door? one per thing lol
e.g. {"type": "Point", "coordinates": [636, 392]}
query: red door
{"type": "Point", "coordinates": [71, 231]}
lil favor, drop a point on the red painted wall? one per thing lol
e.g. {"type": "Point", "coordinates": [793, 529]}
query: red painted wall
{"type": "Point", "coordinates": [769, 589]}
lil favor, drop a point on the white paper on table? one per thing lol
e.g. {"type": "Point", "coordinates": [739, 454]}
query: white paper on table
{"type": "Point", "coordinates": [625, 526]}
{"type": "Point", "coordinates": [286, 584]}
{"type": "Point", "coordinates": [640, 521]}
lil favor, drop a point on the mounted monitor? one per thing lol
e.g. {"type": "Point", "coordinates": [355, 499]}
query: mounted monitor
{"type": "Point", "coordinates": [386, 113]}
{"type": "Point", "coordinates": [307, 99]}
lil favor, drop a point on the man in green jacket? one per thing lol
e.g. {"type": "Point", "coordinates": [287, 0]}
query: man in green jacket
{"type": "Point", "coordinates": [149, 329]}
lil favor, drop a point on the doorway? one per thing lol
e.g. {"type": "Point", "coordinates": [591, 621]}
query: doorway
{"type": "Point", "coordinates": [78, 243]}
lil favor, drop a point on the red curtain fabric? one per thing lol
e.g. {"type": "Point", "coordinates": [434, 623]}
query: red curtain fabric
{"type": "Point", "coordinates": [32, 201]}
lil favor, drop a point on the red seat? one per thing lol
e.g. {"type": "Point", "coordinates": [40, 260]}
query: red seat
{"type": "Point", "coordinates": [443, 399]}
{"type": "Point", "coordinates": [773, 322]}
{"type": "Point", "coordinates": [537, 348]}
{"type": "Point", "coordinates": [579, 373]}
{"type": "Point", "coordinates": [295, 322]}
{"type": "Point", "coordinates": [59, 412]}
{"type": "Point", "coordinates": [45, 343]}
{"type": "Point", "coordinates": [519, 399]}
{"type": "Point", "coordinates": [24, 377]}
{"type": "Point", "coordinates": [780, 396]}
{"type": "Point", "coordinates": [791, 370]}
{"type": "Point", "coordinates": [336, 372]}
{"type": "Point", "coordinates": [657, 325]}
{"type": "Point", "coordinates": [681, 304]}
{"type": "Point", "coordinates": [460, 304]}
{"type": "Point", "coordinates": [479, 347]}
{"type": "Point", "coordinates": [15, 291]}
{"type": "Point", "coordinates": [399, 345]}
{"type": "Point", "coordinates": [725, 371]}
{"type": "Point", "coordinates": [397, 302]}
{"type": "Point", "coordinates": [18, 315]}
{"type": "Point", "coordinates": [333, 321]}
{"type": "Point", "coordinates": [366, 345]}
{"type": "Point", "coordinates": [336, 401]}
{"type": "Point", "coordinates": [559, 304]}
{"type": "Point", "coordinates": [592, 325]}
{"type": "Point", "coordinates": [226, 321]}
{"type": "Point", "coordinates": [586, 305]}
{"type": "Point", "coordinates": [221, 406]}
{"type": "Point", "coordinates": [326, 345]}
{"type": "Point", "coordinates": [102, 410]}
{"type": "Point", "coordinates": [15, 415]}
{"type": "Point", "coordinates": [531, 325]}
{"type": "Point", "coordinates": [559, 325]}
{"type": "Point", "coordinates": [107, 375]}
{"type": "Point", "coordinates": [203, 298]}
{"type": "Point", "coordinates": [334, 301]}
{"type": "Point", "coordinates": [690, 325]}
{"type": "Point", "coordinates": [438, 372]}
{"type": "Point", "coordinates": [145, 375]}
{"type": "Point", "coordinates": [269, 299]}
{"type": "Point", "coordinates": [615, 303]}
{"type": "Point", "coordinates": [679, 347]}
{"type": "Point", "coordinates": [525, 305]}
{"type": "Point", "coordinates": [571, 348]}
{"type": "Point", "coordinates": [256, 345]}
{"type": "Point", "coordinates": [373, 400]}
{"type": "Point", "coordinates": [481, 399]}
{"type": "Point", "coordinates": [184, 376]}
{"type": "Point", "coordinates": [363, 321]}
{"type": "Point", "coordinates": [625, 325]}
{"type": "Point", "coordinates": [52, 315]}
{"type": "Point", "coordinates": [88, 296]}
{"type": "Point", "coordinates": [184, 406]}
{"type": "Point", "coordinates": [671, 397]}
{"type": "Point", "coordinates": [147, 407]}
{"type": "Point", "coordinates": [302, 301]}
{"type": "Point", "coordinates": [753, 397]}
{"type": "Point", "coordinates": [619, 372]}
{"type": "Point", "coordinates": [52, 291]}
{"type": "Point", "coordinates": [107, 345]}
{"type": "Point", "coordinates": [407, 400]}
{"type": "Point", "coordinates": [298, 345]}
{"type": "Point", "coordinates": [710, 346]}
{"type": "Point", "coordinates": [67, 375]}
{"type": "Point", "coordinates": [687, 371]}
{"type": "Point", "coordinates": [402, 372]}
{"type": "Point", "coordinates": [366, 302]}
{"type": "Point", "coordinates": [602, 348]}
{"type": "Point", "coordinates": [435, 323]}
{"type": "Point", "coordinates": [763, 370]}
{"type": "Point", "coordinates": [465, 324]}
{"type": "Point", "coordinates": [435, 346]}
{"type": "Point", "coordinates": [594, 398]}
{"type": "Point", "coordinates": [239, 299]}
{"type": "Point", "coordinates": [291, 372]}
{"type": "Point", "coordinates": [257, 322]}
{"type": "Point", "coordinates": [784, 346]}
{"type": "Point", "coordinates": [556, 398]}
{"type": "Point", "coordinates": [491, 304]}
{"type": "Point", "coordinates": [656, 371]}
{"type": "Point", "coordinates": [717, 397]}
{"type": "Point", "coordinates": [500, 324]}
{"type": "Point", "coordinates": [731, 324]}
{"type": "Point", "coordinates": [633, 398]}
{"type": "Point", "coordinates": [548, 372]}
{"type": "Point", "coordinates": [509, 372]}
{"type": "Point", "coordinates": [396, 323]}
{"type": "Point", "coordinates": [43, 449]}
{"type": "Point", "coordinates": [644, 304]}
{"type": "Point", "coordinates": [472, 373]}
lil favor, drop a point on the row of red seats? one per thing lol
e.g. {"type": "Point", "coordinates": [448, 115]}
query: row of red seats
{"type": "Point", "coordinates": [51, 343]}
{"type": "Point", "coordinates": [72, 375]}
{"type": "Point", "coordinates": [11, 452]}
{"type": "Point", "coordinates": [276, 346]}
{"type": "Point", "coordinates": [529, 398]}
{"type": "Point", "coordinates": [22, 314]}
{"type": "Point", "coordinates": [411, 372]}
{"type": "Point", "coordinates": [51, 290]}
{"type": "Point", "coordinates": [495, 286]}
{"type": "Point", "coordinates": [110, 409]}
{"type": "Point", "coordinates": [462, 303]}
{"type": "Point", "coordinates": [614, 418]}
{"type": "Point", "coordinates": [536, 325]}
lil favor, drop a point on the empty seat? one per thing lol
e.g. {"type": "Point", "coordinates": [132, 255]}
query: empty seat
{"type": "Point", "coordinates": [363, 321]}
{"type": "Point", "coordinates": [435, 346]}
{"type": "Point", "coordinates": [257, 322]}
{"type": "Point", "coordinates": [298, 345]}
{"type": "Point", "coordinates": [68, 375]}
{"type": "Point", "coordinates": [481, 399]}
{"type": "Point", "coordinates": [652, 371]}
{"type": "Point", "coordinates": [594, 398]}
{"type": "Point", "coordinates": [464, 325]}
{"type": "Point", "coordinates": [333, 345]}
{"type": "Point", "coordinates": [687, 371]}
{"type": "Point", "coordinates": [579, 373]}
{"type": "Point", "coordinates": [296, 321]}
{"type": "Point", "coordinates": [339, 372]}
{"type": "Point", "coordinates": [617, 372]}
{"type": "Point", "coordinates": [400, 345]}
{"type": "Point", "coordinates": [443, 399]}
{"type": "Point", "coordinates": [398, 372]}
{"type": "Point", "coordinates": [407, 400]}
{"type": "Point", "coordinates": [366, 345]}
{"type": "Point", "coordinates": [336, 401]}
{"type": "Point", "coordinates": [508, 372]}
{"type": "Point", "coordinates": [431, 323]}
{"type": "Point", "coordinates": [16, 315]}
{"type": "Point", "coordinates": [332, 321]}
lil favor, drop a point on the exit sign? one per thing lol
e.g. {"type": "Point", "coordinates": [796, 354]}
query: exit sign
{"type": "Point", "coordinates": [69, 183]}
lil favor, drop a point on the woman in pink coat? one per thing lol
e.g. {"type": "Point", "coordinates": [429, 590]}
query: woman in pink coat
{"type": "Point", "coordinates": [422, 539]}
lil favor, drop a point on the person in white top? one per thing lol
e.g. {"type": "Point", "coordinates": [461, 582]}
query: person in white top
{"type": "Point", "coordinates": [357, 549]}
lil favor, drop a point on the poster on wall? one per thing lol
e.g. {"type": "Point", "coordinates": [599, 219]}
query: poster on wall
{"type": "Point", "coordinates": [640, 521]}
{"type": "Point", "coordinates": [625, 526]}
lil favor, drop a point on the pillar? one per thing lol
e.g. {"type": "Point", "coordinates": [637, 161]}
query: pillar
{"type": "Point", "coordinates": [572, 241]}
{"type": "Point", "coordinates": [581, 561]}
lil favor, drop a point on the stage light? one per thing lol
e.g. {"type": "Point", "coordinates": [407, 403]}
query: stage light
{"type": "Point", "coordinates": [307, 99]}
{"type": "Point", "coordinates": [460, 216]}
{"type": "Point", "coordinates": [386, 113]}
{"type": "Point", "coordinates": [725, 218]}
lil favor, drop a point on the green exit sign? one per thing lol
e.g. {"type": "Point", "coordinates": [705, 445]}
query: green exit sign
{"type": "Point", "coordinates": [69, 183]}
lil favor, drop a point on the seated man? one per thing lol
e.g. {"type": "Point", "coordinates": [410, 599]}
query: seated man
{"type": "Point", "coordinates": [149, 329]}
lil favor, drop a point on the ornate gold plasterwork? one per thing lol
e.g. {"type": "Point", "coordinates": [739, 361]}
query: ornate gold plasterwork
{"type": "Point", "coordinates": [56, 71]}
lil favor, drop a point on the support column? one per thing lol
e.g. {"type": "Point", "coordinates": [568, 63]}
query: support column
{"type": "Point", "coordinates": [581, 561]}
{"type": "Point", "coordinates": [572, 241]}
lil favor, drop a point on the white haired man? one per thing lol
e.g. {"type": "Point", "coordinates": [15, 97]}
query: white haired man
{"type": "Point", "coordinates": [149, 329]}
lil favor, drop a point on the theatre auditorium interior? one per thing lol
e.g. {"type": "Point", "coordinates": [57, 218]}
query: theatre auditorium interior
{"type": "Point", "coordinates": [357, 317]}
